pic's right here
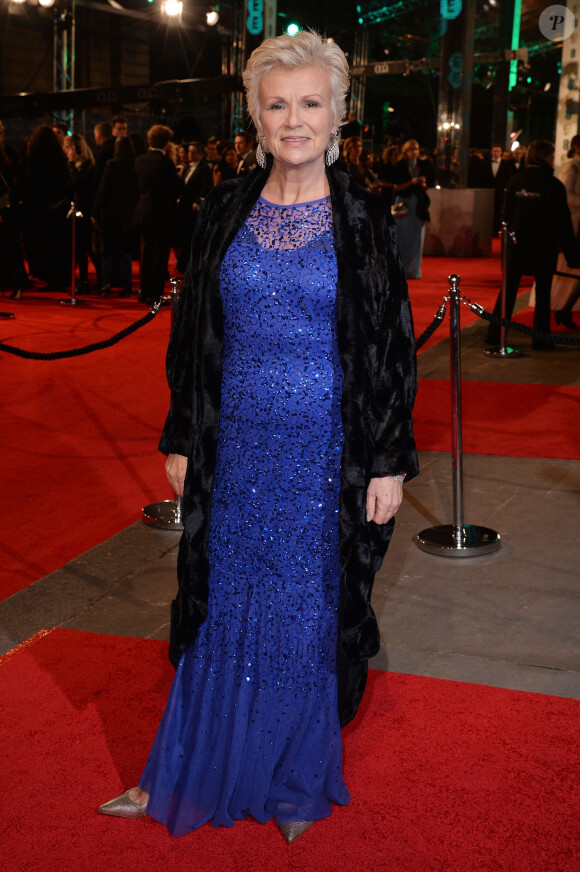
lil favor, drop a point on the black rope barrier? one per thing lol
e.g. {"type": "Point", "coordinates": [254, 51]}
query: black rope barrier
{"type": "Point", "coordinates": [435, 323]}
{"type": "Point", "coordinates": [522, 328]}
{"type": "Point", "coordinates": [86, 349]}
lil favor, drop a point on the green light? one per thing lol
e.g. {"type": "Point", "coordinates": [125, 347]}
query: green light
{"type": "Point", "coordinates": [292, 29]}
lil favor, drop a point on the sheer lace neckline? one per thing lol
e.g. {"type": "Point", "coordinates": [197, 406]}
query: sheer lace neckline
{"type": "Point", "coordinates": [289, 228]}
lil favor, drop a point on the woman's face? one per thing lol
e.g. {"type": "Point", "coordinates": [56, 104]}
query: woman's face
{"type": "Point", "coordinates": [296, 114]}
{"type": "Point", "coordinates": [182, 154]}
{"type": "Point", "coordinates": [231, 158]}
{"type": "Point", "coordinates": [413, 151]}
{"type": "Point", "coordinates": [69, 150]}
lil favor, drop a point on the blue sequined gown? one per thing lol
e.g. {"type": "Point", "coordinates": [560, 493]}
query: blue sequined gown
{"type": "Point", "coordinates": [251, 725]}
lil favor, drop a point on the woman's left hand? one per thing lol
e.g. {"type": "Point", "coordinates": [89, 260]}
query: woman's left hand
{"type": "Point", "coordinates": [384, 496]}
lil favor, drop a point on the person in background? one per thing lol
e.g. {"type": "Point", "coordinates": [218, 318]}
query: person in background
{"type": "Point", "coordinates": [565, 292]}
{"type": "Point", "coordinates": [211, 151]}
{"type": "Point", "coordinates": [411, 185]}
{"type": "Point", "coordinates": [536, 211]}
{"type": "Point", "coordinates": [387, 172]}
{"type": "Point", "coordinates": [12, 270]}
{"type": "Point", "coordinates": [46, 199]}
{"type": "Point", "coordinates": [197, 183]}
{"type": "Point", "coordinates": [244, 144]}
{"type": "Point", "coordinates": [182, 158]}
{"type": "Point", "coordinates": [159, 187]}
{"type": "Point", "coordinates": [83, 180]}
{"type": "Point", "coordinates": [226, 168]}
{"type": "Point", "coordinates": [113, 211]}
{"type": "Point", "coordinates": [351, 155]}
{"type": "Point", "coordinates": [61, 132]}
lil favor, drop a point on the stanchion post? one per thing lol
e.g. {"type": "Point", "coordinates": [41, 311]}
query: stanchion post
{"type": "Point", "coordinates": [507, 239]}
{"type": "Point", "coordinates": [73, 214]}
{"type": "Point", "coordinates": [166, 515]}
{"type": "Point", "coordinates": [457, 539]}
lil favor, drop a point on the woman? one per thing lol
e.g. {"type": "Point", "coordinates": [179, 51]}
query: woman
{"type": "Point", "coordinates": [227, 166]}
{"type": "Point", "coordinates": [293, 377]}
{"type": "Point", "coordinates": [83, 181]}
{"type": "Point", "coordinates": [566, 292]}
{"type": "Point", "coordinates": [46, 198]}
{"type": "Point", "coordinates": [411, 185]}
{"type": "Point", "coordinates": [351, 153]}
{"type": "Point", "coordinates": [113, 212]}
{"type": "Point", "coordinates": [536, 210]}
{"type": "Point", "coordinates": [388, 172]}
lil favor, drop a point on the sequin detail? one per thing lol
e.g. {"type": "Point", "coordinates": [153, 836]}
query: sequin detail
{"type": "Point", "coordinates": [251, 725]}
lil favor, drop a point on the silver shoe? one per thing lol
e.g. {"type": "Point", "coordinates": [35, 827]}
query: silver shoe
{"type": "Point", "coordinates": [124, 806]}
{"type": "Point", "coordinates": [292, 830]}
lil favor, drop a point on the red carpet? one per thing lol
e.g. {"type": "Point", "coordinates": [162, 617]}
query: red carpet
{"type": "Point", "coordinates": [79, 437]}
{"type": "Point", "coordinates": [444, 776]}
{"type": "Point", "coordinates": [513, 420]}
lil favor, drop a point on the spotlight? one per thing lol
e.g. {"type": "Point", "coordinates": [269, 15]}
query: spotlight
{"type": "Point", "coordinates": [292, 29]}
{"type": "Point", "coordinates": [18, 1]}
{"type": "Point", "coordinates": [547, 86]}
{"type": "Point", "coordinates": [212, 17]}
{"type": "Point", "coordinates": [46, 3]}
{"type": "Point", "coordinates": [173, 8]}
{"type": "Point", "coordinates": [515, 144]}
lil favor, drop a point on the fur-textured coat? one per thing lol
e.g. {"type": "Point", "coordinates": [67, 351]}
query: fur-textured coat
{"type": "Point", "coordinates": [376, 349]}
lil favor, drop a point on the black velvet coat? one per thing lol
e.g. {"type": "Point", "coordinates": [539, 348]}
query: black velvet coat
{"type": "Point", "coordinates": [376, 348]}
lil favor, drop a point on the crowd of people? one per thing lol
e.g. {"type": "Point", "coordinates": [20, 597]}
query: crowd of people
{"type": "Point", "coordinates": [136, 200]}
{"type": "Point", "coordinates": [132, 200]}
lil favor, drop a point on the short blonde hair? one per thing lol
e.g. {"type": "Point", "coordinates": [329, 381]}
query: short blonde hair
{"type": "Point", "coordinates": [306, 49]}
{"type": "Point", "coordinates": [407, 145]}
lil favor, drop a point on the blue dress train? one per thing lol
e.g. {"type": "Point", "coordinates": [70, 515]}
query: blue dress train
{"type": "Point", "coordinates": [251, 725]}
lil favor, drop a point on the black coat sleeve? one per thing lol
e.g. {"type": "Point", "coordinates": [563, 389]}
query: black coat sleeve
{"type": "Point", "coordinates": [393, 362]}
{"type": "Point", "coordinates": [176, 435]}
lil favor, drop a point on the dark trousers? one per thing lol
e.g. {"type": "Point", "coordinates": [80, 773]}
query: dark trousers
{"type": "Point", "coordinates": [154, 258]}
{"type": "Point", "coordinates": [542, 311]}
{"type": "Point", "coordinates": [116, 263]}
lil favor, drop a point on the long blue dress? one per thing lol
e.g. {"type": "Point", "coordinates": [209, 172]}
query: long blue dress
{"type": "Point", "coordinates": [251, 725]}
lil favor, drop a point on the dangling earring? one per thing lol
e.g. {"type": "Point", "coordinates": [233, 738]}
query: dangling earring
{"type": "Point", "coordinates": [333, 151]}
{"type": "Point", "coordinates": [260, 153]}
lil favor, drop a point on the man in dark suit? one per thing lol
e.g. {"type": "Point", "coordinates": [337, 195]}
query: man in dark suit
{"type": "Point", "coordinates": [244, 145]}
{"type": "Point", "coordinates": [198, 181]}
{"type": "Point", "coordinates": [159, 187]}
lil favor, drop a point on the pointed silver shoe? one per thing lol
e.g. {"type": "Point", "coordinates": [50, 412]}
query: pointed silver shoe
{"type": "Point", "coordinates": [124, 806]}
{"type": "Point", "coordinates": [292, 830]}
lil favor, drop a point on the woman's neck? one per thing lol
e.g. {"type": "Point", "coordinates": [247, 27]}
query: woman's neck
{"type": "Point", "coordinates": [289, 185]}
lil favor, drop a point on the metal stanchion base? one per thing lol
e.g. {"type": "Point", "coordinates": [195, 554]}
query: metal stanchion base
{"type": "Point", "coordinates": [73, 301]}
{"type": "Point", "coordinates": [446, 542]}
{"type": "Point", "coordinates": [502, 352]}
{"type": "Point", "coordinates": [6, 315]}
{"type": "Point", "coordinates": [164, 515]}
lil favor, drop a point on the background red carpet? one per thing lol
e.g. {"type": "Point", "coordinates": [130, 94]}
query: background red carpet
{"type": "Point", "coordinates": [513, 420]}
{"type": "Point", "coordinates": [443, 775]}
{"type": "Point", "coordinates": [79, 437]}
{"type": "Point", "coordinates": [78, 456]}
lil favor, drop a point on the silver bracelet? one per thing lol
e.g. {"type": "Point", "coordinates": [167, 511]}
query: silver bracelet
{"type": "Point", "coordinates": [400, 478]}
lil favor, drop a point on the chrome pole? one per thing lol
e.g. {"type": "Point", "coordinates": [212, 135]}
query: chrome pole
{"type": "Point", "coordinates": [504, 351]}
{"type": "Point", "coordinates": [166, 514]}
{"type": "Point", "coordinates": [73, 214]}
{"type": "Point", "coordinates": [457, 539]}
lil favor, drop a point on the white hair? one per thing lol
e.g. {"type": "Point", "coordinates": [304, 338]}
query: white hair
{"type": "Point", "coordinates": [306, 49]}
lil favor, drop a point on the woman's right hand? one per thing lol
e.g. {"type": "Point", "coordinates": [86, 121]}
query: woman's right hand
{"type": "Point", "coordinates": [176, 467]}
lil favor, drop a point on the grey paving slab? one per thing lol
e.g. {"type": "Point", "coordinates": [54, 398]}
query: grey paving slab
{"type": "Point", "coordinates": [67, 593]}
{"type": "Point", "coordinates": [560, 367]}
